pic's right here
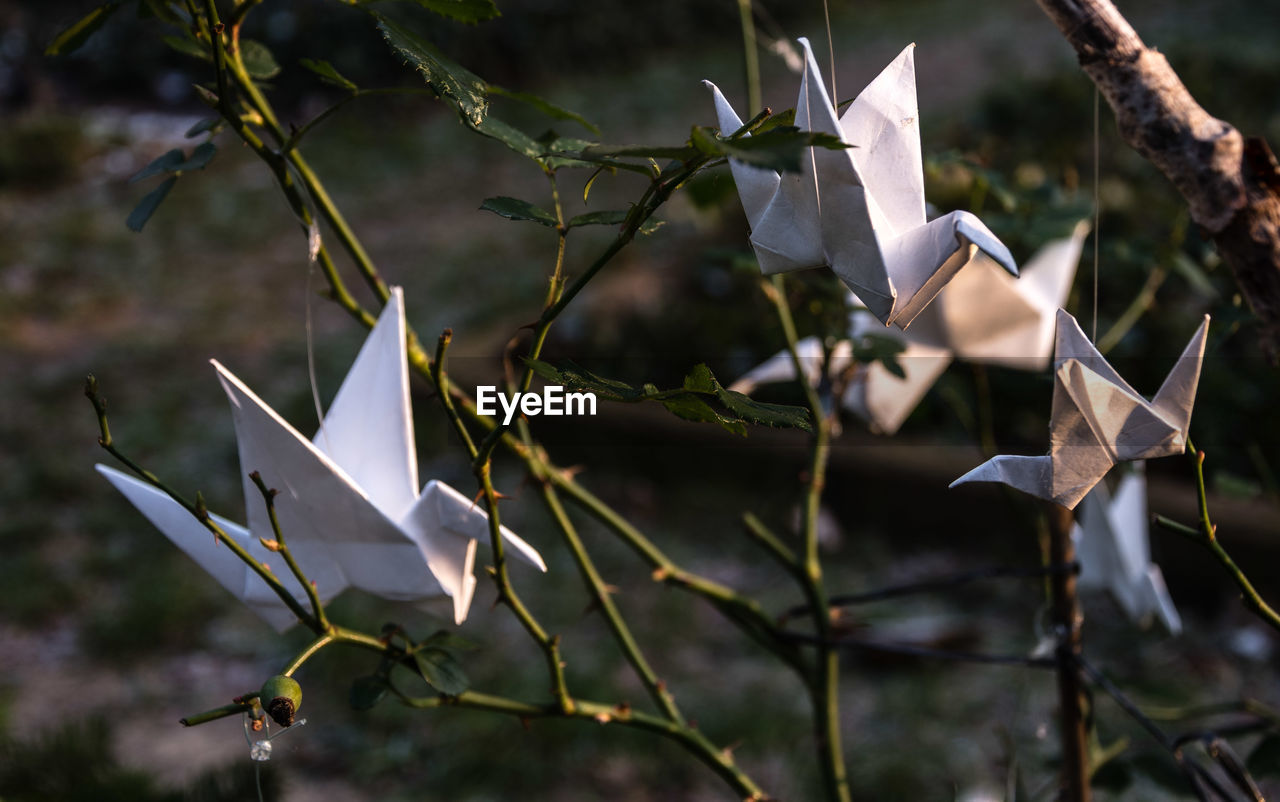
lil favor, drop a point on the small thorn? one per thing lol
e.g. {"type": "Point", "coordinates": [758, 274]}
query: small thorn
{"type": "Point", "coordinates": [219, 28]}
{"type": "Point", "coordinates": [660, 574]}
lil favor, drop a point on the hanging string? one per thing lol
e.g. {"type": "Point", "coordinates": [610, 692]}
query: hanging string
{"type": "Point", "coordinates": [1097, 210]}
{"type": "Point", "coordinates": [831, 56]}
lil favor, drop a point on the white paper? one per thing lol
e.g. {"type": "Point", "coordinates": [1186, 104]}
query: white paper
{"type": "Point", "coordinates": [984, 315]}
{"type": "Point", "coordinates": [1114, 552]}
{"type": "Point", "coordinates": [1098, 420]}
{"type": "Point", "coordinates": [348, 505]}
{"type": "Point", "coordinates": [860, 210]}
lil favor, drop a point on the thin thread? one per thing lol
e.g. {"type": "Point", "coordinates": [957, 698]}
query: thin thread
{"type": "Point", "coordinates": [313, 254]}
{"type": "Point", "coordinates": [831, 55]}
{"type": "Point", "coordinates": [1097, 209]}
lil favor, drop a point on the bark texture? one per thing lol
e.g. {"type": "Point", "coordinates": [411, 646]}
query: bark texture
{"type": "Point", "coordinates": [1231, 184]}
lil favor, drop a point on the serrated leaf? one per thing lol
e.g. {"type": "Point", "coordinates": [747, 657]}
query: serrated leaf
{"type": "Point", "coordinates": [781, 149]}
{"type": "Point", "coordinates": [468, 11]}
{"type": "Point", "coordinates": [148, 205]}
{"type": "Point", "coordinates": [1264, 760]}
{"type": "Point", "coordinates": [510, 136]}
{"type": "Point", "coordinates": [613, 217]}
{"type": "Point", "coordinates": [258, 60]}
{"type": "Point", "coordinates": [204, 126]}
{"type": "Point", "coordinates": [73, 37]}
{"type": "Point", "coordinates": [516, 209]}
{"type": "Point", "coordinates": [692, 408]}
{"type": "Point", "coordinates": [367, 691]}
{"type": "Point", "coordinates": [701, 398]}
{"type": "Point", "coordinates": [545, 106]}
{"type": "Point", "coordinates": [441, 671]}
{"type": "Point", "coordinates": [328, 74]}
{"type": "Point", "coordinates": [199, 158]}
{"type": "Point", "coordinates": [679, 153]}
{"type": "Point", "coordinates": [163, 164]}
{"type": "Point", "coordinates": [189, 46]}
{"type": "Point", "coordinates": [449, 79]}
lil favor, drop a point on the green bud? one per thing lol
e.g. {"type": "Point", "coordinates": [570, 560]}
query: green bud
{"type": "Point", "coordinates": [281, 696]}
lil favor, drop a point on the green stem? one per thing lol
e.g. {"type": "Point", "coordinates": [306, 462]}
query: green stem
{"type": "Point", "coordinates": [269, 497]}
{"type": "Point", "coordinates": [307, 653]}
{"type": "Point", "coordinates": [719, 760]}
{"type": "Point", "coordinates": [604, 601]}
{"type": "Point", "coordinates": [507, 595]}
{"type": "Point", "coordinates": [1207, 535]}
{"type": "Point", "coordinates": [750, 56]}
{"type": "Point", "coordinates": [197, 510]}
{"type": "Point", "coordinates": [824, 687]}
{"type": "Point", "coordinates": [441, 379]}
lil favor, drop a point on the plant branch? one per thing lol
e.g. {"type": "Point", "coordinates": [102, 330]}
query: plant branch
{"type": "Point", "coordinates": [603, 600]}
{"type": "Point", "coordinates": [719, 760]}
{"type": "Point", "coordinates": [280, 547]}
{"type": "Point", "coordinates": [1231, 184]}
{"type": "Point", "coordinates": [1207, 536]}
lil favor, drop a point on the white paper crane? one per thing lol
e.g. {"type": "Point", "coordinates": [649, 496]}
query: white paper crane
{"type": "Point", "coordinates": [1098, 420]}
{"type": "Point", "coordinates": [1115, 555]}
{"type": "Point", "coordinates": [984, 315]}
{"type": "Point", "coordinates": [349, 505]}
{"type": "Point", "coordinates": [860, 210]}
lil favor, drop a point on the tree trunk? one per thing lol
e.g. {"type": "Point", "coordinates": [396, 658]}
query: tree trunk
{"type": "Point", "coordinates": [1231, 184]}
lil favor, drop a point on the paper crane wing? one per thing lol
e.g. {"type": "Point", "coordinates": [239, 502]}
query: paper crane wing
{"type": "Point", "coordinates": [320, 508]}
{"type": "Point", "coordinates": [188, 534]}
{"type": "Point", "coordinates": [861, 210]}
{"type": "Point", "coordinates": [368, 429]}
{"type": "Point", "coordinates": [1098, 420]}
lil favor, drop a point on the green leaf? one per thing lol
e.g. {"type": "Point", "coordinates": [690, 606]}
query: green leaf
{"type": "Point", "coordinates": [164, 164]}
{"type": "Point", "coordinates": [366, 692]}
{"type": "Point", "coordinates": [468, 11]}
{"type": "Point", "coordinates": [613, 217]}
{"type": "Point", "coordinates": [72, 38]}
{"type": "Point", "coordinates": [449, 80]}
{"type": "Point", "coordinates": [148, 205]}
{"type": "Point", "coordinates": [510, 136]}
{"type": "Point", "coordinates": [328, 74]}
{"type": "Point", "coordinates": [681, 153]}
{"type": "Point", "coordinates": [516, 209]}
{"type": "Point", "coordinates": [258, 60]}
{"type": "Point", "coordinates": [441, 671]}
{"type": "Point", "coordinates": [1264, 760]}
{"type": "Point", "coordinates": [545, 106]}
{"type": "Point", "coordinates": [189, 46]}
{"type": "Point", "coordinates": [204, 126]}
{"type": "Point", "coordinates": [199, 159]}
{"type": "Point", "coordinates": [881, 348]}
{"type": "Point", "coordinates": [781, 149]}
{"type": "Point", "coordinates": [160, 10]}
{"type": "Point", "coordinates": [701, 398]}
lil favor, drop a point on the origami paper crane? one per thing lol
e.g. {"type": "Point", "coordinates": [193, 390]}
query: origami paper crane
{"type": "Point", "coordinates": [1098, 420]}
{"type": "Point", "coordinates": [984, 315]}
{"type": "Point", "coordinates": [1115, 555]}
{"type": "Point", "coordinates": [860, 210]}
{"type": "Point", "coordinates": [349, 504]}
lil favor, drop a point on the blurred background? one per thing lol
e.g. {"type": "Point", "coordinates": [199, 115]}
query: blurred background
{"type": "Point", "coordinates": [108, 635]}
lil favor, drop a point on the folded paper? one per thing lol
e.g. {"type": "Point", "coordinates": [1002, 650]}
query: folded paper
{"type": "Point", "coordinates": [349, 504]}
{"type": "Point", "coordinates": [1114, 552]}
{"type": "Point", "coordinates": [984, 315]}
{"type": "Point", "coordinates": [1098, 420]}
{"type": "Point", "coordinates": [860, 210]}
